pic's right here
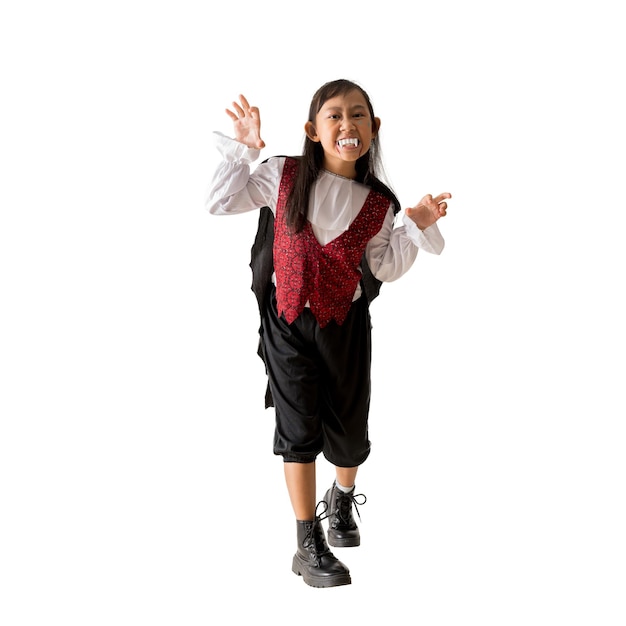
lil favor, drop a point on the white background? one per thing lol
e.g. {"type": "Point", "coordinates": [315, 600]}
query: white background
{"type": "Point", "coordinates": [137, 481]}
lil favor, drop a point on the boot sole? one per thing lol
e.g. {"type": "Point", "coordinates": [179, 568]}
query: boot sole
{"type": "Point", "coordinates": [313, 581]}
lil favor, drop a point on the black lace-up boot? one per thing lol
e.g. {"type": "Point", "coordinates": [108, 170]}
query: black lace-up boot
{"type": "Point", "coordinates": [314, 561]}
{"type": "Point", "coordinates": [342, 529]}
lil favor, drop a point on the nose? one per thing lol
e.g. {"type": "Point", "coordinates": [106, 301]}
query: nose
{"type": "Point", "coordinates": [347, 124]}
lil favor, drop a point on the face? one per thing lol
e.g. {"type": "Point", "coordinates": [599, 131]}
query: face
{"type": "Point", "coordinates": [345, 129]}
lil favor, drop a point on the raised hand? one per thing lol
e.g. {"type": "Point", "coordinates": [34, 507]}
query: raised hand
{"type": "Point", "coordinates": [429, 210]}
{"type": "Point", "coordinates": [247, 123]}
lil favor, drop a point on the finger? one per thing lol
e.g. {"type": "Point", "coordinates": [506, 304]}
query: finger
{"type": "Point", "coordinates": [239, 110]}
{"type": "Point", "coordinates": [244, 102]}
{"type": "Point", "coordinates": [443, 196]}
{"type": "Point", "coordinates": [231, 115]}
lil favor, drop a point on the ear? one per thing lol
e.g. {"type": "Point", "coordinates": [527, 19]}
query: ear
{"type": "Point", "coordinates": [375, 126]}
{"type": "Point", "coordinates": [310, 131]}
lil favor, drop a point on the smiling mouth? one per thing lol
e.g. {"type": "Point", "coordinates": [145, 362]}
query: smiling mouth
{"type": "Point", "coordinates": [351, 141]}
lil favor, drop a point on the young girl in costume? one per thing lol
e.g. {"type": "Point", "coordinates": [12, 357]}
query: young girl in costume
{"type": "Point", "coordinates": [327, 238]}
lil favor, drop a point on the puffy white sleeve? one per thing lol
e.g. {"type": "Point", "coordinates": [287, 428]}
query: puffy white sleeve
{"type": "Point", "coordinates": [234, 188]}
{"type": "Point", "coordinates": [393, 250]}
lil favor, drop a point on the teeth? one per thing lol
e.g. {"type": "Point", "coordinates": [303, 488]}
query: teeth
{"type": "Point", "coordinates": [352, 141]}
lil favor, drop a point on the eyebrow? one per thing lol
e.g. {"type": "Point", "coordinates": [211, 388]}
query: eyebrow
{"type": "Point", "coordinates": [352, 108]}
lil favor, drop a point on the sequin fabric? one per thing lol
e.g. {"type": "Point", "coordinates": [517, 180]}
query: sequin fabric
{"type": "Point", "coordinates": [324, 276]}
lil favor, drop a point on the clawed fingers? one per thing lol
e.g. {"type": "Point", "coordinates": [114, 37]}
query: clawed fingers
{"type": "Point", "coordinates": [247, 123]}
{"type": "Point", "coordinates": [241, 110]}
{"type": "Point", "coordinates": [437, 204]}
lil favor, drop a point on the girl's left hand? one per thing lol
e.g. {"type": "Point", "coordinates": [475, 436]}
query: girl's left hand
{"type": "Point", "coordinates": [429, 210]}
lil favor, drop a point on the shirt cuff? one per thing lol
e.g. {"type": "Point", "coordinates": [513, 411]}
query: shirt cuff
{"type": "Point", "coordinates": [429, 239]}
{"type": "Point", "coordinates": [233, 151]}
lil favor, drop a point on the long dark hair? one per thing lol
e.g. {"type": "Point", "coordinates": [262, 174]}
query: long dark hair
{"type": "Point", "coordinates": [311, 163]}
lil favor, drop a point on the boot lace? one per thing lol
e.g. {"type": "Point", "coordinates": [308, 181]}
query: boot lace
{"type": "Point", "coordinates": [344, 505]}
{"type": "Point", "coordinates": [314, 541]}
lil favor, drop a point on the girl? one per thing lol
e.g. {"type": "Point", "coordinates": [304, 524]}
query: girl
{"type": "Point", "coordinates": [326, 241]}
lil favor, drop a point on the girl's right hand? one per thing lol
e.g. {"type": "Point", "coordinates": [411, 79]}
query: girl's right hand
{"type": "Point", "coordinates": [247, 124]}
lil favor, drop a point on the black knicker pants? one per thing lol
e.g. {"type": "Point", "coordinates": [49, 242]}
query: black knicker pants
{"type": "Point", "coordinates": [320, 383]}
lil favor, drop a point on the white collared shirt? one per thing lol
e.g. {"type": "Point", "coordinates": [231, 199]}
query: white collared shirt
{"type": "Point", "coordinates": [335, 202]}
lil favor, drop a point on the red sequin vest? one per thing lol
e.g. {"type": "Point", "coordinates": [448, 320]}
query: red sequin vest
{"type": "Point", "coordinates": [325, 276]}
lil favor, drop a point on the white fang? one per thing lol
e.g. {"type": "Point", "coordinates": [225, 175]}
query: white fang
{"type": "Point", "coordinates": [352, 141]}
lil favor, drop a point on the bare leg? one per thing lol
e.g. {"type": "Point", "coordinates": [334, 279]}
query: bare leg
{"type": "Point", "coordinates": [346, 475]}
{"type": "Point", "coordinates": [300, 479]}
{"type": "Point", "coordinates": [313, 559]}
